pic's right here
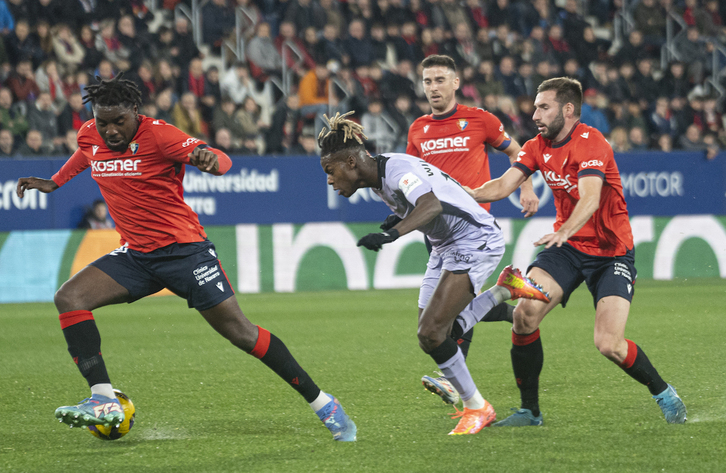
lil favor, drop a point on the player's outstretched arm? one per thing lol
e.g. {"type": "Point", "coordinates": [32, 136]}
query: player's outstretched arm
{"type": "Point", "coordinates": [527, 198]}
{"type": "Point", "coordinates": [427, 208]}
{"type": "Point", "coordinates": [208, 160]}
{"type": "Point", "coordinates": [499, 188]}
{"type": "Point", "coordinates": [43, 185]}
{"type": "Point", "coordinates": [589, 188]}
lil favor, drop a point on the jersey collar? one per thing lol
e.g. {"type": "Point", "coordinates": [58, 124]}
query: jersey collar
{"type": "Point", "coordinates": [566, 139]}
{"type": "Point", "coordinates": [446, 115]}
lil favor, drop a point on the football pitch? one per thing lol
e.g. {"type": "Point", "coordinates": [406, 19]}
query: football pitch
{"type": "Point", "coordinates": [204, 406]}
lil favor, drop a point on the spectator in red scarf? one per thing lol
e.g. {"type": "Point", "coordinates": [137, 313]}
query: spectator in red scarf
{"type": "Point", "coordinates": [22, 82]}
{"type": "Point", "coordinates": [49, 80]}
{"type": "Point", "coordinates": [68, 49]}
{"type": "Point", "coordinates": [73, 115]}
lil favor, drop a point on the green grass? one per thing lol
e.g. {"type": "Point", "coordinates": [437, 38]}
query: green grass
{"type": "Point", "coordinates": [204, 406]}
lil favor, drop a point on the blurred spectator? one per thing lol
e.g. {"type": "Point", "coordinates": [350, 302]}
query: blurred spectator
{"type": "Point", "coordinates": [69, 144]}
{"type": "Point", "coordinates": [674, 82]}
{"type": "Point", "coordinates": [665, 143]}
{"type": "Point", "coordinates": [163, 44]}
{"type": "Point", "coordinates": [381, 51]}
{"type": "Point", "coordinates": [307, 143]}
{"type": "Point", "coordinates": [527, 128]}
{"type": "Point", "coordinates": [681, 114]}
{"type": "Point", "coordinates": [330, 47]}
{"type": "Point", "coordinates": [541, 73]}
{"type": "Point", "coordinates": [19, 9]}
{"type": "Point", "coordinates": [379, 127]}
{"type": "Point", "coordinates": [711, 144]}
{"type": "Point", "coordinates": [402, 114]}
{"type": "Point", "coordinates": [132, 42]}
{"type": "Point", "coordinates": [104, 70]}
{"type": "Point", "coordinates": [12, 116]}
{"type": "Point", "coordinates": [164, 77]}
{"type": "Point", "coordinates": [491, 105]}
{"type": "Point", "coordinates": [144, 79]}
{"type": "Point", "coordinates": [68, 50]}
{"type": "Point", "coordinates": [487, 81]}
{"type": "Point", "coordinates": [212, 92]}
{"type": "Point", "coordinates": [224, 142]}
{"type": "Point", "coordinates": [49, 80]}
{"type": "Point", "coordinates": [358, 46]}
{"type": "Point", "coordinates": [635, 117]}
{"type": "Point", "coordinates": [503, 43]}
{"type": "Point", "coordinates": [626, 82]}
{"type": "Point", "coordinates": [107, 42]}
{"type": "Point", "coordinates": [187, 117]}
{"type": "Point", "coordinates": [288, 34]}
{"type": "Point", "coordinates": [638, 139]}
{"type": "Point", "coordinates": [42, 117]}
{"type": "Point", "coordinates": [619, 140]}
{"type": "Point", "coordinates": [461, 48]}
{"type": "Point", "coordinates": [73, 115]}
{"type": "Point", "coordinates": [237, 84]}
{"type": "Point", "coordinates": [45, 39]}
{"type": "Point", "coordinates": [660, 120]}
{"type": "Point", "coordinates": [691, 49]}
{"type": "Point", "coordinates": [91, 56]}
{"type": "Point", "coordinates": [557, 46]}
{"type": "Point", "coordinates": [284, 127]}
{"type": "Point", "coordinates": [313, 90]}
{"type": "Point", "coordinates": [22, 44]}
{"type": "Point", "coordinates": [398, 81]}
{"type": "Point", "coordinates": [712, 119]}
{"type": "Point", "coordinates": [97, 217]}
{"type": "Point", "coordinates": [7, 144]}
{"type": "Point", "coordinates": [333, 14]}
{"type": "Point", "coordinates": [482, 46]}
{"type": "Point", "coordinates": [691, 140]}
{"type": "Point", "coordinates": [217, 22]}
{"type": "Point", "coordinates": [183, 48]}
{"type": "Point", "coordinates": [34, 146]}
{"type": "Point", "coordinates": [22, 82]}
{"type": "Point", "coordinates": [632, 50]}
{"type": "Point", "coordinates": [591, 112]}
{"type": "Point", "coordinates": [262, 55]}
{"type": "Point", "coordinates": [571, 68]}
{"type": "Point", "coordinates": [573, 25]}
{"type": "Point", "coordinates": [709, 21]}
{"type": "Point", "coordinates": [508, 75]}
{"type": "Point", "coordinates": [646, 85]}
{"type": "Point", "coordinates": [224, 117]}
{"type": "Point", "coordinates": [355, 98]}
{"type": "Point", "coordinates": [590, 48]}
{"type": "Point", "coordinates": [248, 118]}
{"type": "Point", "coordinates": [500, 12]}
{"type": "Point", "coordinates": [304, 13]}
{"type": "Point", "coordinates": [650, 19]}
{"type": "Point", "coordinates": [165, 106]}
{"type": "Point", "coordinates": [467, 85]}
{"type": "Point", "coordinates": [7, 22]}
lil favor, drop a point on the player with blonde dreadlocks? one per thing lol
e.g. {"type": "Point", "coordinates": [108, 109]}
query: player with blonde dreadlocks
{"type": "Point", "coordinates": [467, 247]}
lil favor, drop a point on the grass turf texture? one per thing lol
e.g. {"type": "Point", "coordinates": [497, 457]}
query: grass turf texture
{"type": "Point", "coordinates": [204, 406]}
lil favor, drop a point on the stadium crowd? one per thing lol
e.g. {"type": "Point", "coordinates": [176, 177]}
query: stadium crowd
{"type": "Point", "coordinates": [368, 52]}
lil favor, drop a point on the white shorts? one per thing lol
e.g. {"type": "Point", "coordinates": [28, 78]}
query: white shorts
{"type": "Point", "coordinates": [479, 264]}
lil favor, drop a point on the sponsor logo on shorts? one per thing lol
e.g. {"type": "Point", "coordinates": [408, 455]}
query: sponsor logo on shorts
{"type": "Point", "coordinates": [205, 274]}
{"type": "Point", "coordinates": [120, 250]}
{"type": "Point", "coordinates": [622, 270]}
{"type": "Point", "coordinates": [459, 257]}
{"type": "Point", "coordinates": [220, 286]}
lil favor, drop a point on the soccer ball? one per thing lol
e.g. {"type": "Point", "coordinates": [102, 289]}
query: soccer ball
{"type": "Point", "coordinates": [112, 432]}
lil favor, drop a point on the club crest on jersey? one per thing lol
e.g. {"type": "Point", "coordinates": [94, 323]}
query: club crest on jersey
{"type": "Point", "coordinates": [134, 147]}
{"type": "Point", "coordinates": [462, 124]}
{"type": "Point", "coordinates": [426, 128]}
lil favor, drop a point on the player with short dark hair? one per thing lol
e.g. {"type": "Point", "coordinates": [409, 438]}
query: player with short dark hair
{"type": "Point", "coordinates": [466, 241]}
{"type": "Point", "coordinates": [139, 163]}
{"type": "Point", "coordinates": [592, 242]}
{"type": "Point", "coordinates": [454, 138]}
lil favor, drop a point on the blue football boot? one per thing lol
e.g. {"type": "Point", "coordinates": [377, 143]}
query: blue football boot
{"type": "Point", "coordinates": [521, 418]}
{"type": "Point", "coordinates": [96, 410]}
{"type": "Point", "coordinates": [337, 421]}
{"type": "Point", "coordinates": [672, 406]}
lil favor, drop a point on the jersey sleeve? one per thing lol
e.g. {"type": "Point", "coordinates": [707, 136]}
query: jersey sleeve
{"type": "Point", "coordinates": [594, 158]}
{"type": "Point", "coordinates": [410, 182]}
{"type": "Point", "coordinates": [495, 134]}
{"type": "Point", "coordinates": [526, 159]}
{"type": "Point", "coordinates": [76, 164]}
{"type": "Point", "coordinates": [176, 145]}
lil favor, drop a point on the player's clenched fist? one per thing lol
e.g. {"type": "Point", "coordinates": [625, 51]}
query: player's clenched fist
{"type": "Point", "coordinates": [43, 185]}
{"type": "Point", "coordinates": [204, 160]}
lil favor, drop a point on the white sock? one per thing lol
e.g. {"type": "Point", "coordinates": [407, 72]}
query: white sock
{"type": "Point", "coordinates": [104, 389]}
{"type": "Point", "coordinates": [320, 401]}
{"type": "Point", "coordinates": [457, 373]}
{"type": "Point", "coordinates": [475, 402]}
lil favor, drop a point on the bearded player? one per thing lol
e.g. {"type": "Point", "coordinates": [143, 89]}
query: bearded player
{"type": "Point", "coordinates": [138, 163]}
{"type": "Point", "coordinates": [592, 242]}
{"type": "Point", "coordinates": [454, 138]}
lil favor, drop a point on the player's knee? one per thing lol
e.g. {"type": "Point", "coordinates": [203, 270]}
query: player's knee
{"type": "Point", "coordinates": [67, 299]}
{"type": "Point", "coordinates": [429, 338]}
{"type": "Point", "coordinates": [610, 348]}
{"type": "Point", "coordinates": [525, 318]}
